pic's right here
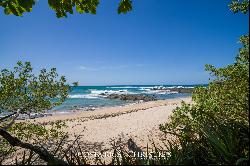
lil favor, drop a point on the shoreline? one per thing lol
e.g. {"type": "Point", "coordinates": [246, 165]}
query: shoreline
{"type": "Point", "coordinates": [99, 112]}
{"type": "Point", "coordinates": [133, 124]}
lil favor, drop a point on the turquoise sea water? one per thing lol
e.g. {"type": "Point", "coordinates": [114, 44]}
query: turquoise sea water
{"type": "Point", "coordinates": [90, 96]}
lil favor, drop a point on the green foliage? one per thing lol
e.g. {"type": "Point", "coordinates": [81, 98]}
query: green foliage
{"type": "Point", "coordinates": [216, 126]}
{"type": "Point", "coordinates": [61, 7]}
{"type": "Point", "coordinates": [239, 5]}
{"type": "Point", "coordinates": [75, 83]}
{"type": "Point", "coordinates": [215, 130]}
{"type": "Point", "coordinates": [125, 6]}
{"type": "Point", "coordinates": [21, 90]}
{"type": "Point", "coordinates": [243, 56]}
{"type": "Point", "coordinates": [17, 7]}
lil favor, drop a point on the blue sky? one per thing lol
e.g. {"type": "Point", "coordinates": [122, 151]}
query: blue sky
{"type": "Point", "coordinates": [159, 42]}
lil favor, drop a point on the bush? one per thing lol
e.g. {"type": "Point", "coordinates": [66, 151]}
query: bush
{"type": "Point", "coordinates": [215, 129]}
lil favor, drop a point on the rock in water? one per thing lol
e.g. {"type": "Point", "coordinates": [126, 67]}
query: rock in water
{"type": "Point", "coordinates": [181, 90]}
{"type": "Point", "coordinates": [132, 97]}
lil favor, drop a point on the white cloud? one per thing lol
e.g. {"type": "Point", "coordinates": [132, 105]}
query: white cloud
{"type": "Point", "coordinates": [140, 65]}
{"type": "Point", "coordinates": [117, 67]}
{"type": "Point", "coordinates": [88, 68]}
{"type": "Point", "coordinates": [82, 68]}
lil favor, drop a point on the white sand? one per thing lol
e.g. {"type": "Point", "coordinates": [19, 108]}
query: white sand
{"type": "Point", "coordinates": [101, 127]}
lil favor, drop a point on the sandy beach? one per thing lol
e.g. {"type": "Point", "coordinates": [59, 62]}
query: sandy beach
{"type": "Point", "coordinates": [100, 128]}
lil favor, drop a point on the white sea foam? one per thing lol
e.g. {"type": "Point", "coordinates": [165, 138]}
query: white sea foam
{"type": "Point", "coordinates": [143, 88]}
{"type": "Point", "coordinates": [108, 91]}
{"type": "Point", "coordinates": [123, 87]}
{"type": "Point", "coordinates": [94, 94]}
{"type": "Point", "coordinates": [103, 93]}
{"type": "Point", "coordinates": [161, 89]}
{"type": "Point", "coordinates": [160, 92]}
{"type": "Point", "coordinates": [171, 87]}
{"type": "Point", "coordinates": [79, 96]}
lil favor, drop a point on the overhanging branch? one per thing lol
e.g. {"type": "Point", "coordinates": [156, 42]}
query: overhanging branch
{"type": "Point", "coordinates": [11, 122]}
{"type": "Point", "coordinates": [5, 117]}
{"type": "Point", "coordinates": [43, 153]}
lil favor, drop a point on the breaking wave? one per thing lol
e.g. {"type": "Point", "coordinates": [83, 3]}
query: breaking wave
{"type": "Point", "coordinates": [88, 96]}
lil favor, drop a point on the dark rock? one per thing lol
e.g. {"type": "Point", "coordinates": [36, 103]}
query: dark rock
{"type": "Point", "coordinates": [132, 97]}
{"type": "Point", "coordinates": [102, 94]}
{"type": "Point", "coordinates": [181, 90]}
{"type": "Point", "coordinates": [176, 89]}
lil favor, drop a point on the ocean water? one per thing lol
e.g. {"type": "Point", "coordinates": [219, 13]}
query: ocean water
{"type": "Point", "coordinates": [92, 96]}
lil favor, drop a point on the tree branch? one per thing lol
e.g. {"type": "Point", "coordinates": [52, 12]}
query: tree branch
{"type": "Point", "coordinates": [5, 117]}
{"type": "Point", "coordinates": [12, 121]}
{"type": "Point", "coordinates": [43, 153]}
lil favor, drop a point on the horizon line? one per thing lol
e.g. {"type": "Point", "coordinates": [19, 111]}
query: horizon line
{"type": "Point", "coordinates": [149, 84]}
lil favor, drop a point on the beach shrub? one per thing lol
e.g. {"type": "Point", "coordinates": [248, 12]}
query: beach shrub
{"type": "Point", "coordinates": [215, 129]}
{"type": "Point", "coordinates": [21, 92]}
